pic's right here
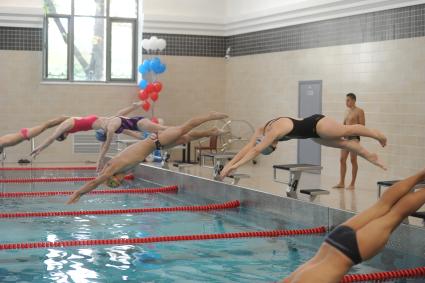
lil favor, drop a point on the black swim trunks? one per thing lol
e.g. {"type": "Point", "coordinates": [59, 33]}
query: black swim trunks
{"type": "Point", "coordinates": [344, 239]}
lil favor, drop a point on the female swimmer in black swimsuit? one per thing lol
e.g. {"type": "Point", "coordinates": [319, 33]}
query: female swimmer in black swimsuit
{"type": "Point", "coordinates": [362, 236]}
{"type": "Point", "coordinates": [323, 130]}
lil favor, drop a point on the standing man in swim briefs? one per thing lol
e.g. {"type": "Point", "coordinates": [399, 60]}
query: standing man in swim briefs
{"type": "Point", "coordinates": [353, 116]}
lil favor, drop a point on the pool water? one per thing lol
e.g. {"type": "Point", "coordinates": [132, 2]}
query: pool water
{"type": "Point", "coordinates": [236, 260]}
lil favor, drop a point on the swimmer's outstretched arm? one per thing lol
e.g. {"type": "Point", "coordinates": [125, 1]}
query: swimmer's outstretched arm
{"type": "Point", "coordinates": [88, 187]}
{"type": "Point", "coordinates": [61, 129]}
{"type": "Point", "coordinates": [128, 110]}
{"type": "Point", "coordinates": [252, 152]}
{"type": "Point", "coordinates": [110, 169]}
{"type": "Point", "coordinates": [111, 127]}
{"type": "Point", "coordinates": [244, 150]}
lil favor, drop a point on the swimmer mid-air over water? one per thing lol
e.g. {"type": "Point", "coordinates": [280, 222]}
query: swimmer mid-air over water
{"type": "Point", "coordinates": [114, 171]}
{"type": "Point", "coordinates": [322, 130]}
{"type": "Point", "coordinates": [25, 134]}
{"type": "Point", "coordinates": [114, 124]}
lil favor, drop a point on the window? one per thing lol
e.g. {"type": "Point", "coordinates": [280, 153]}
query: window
{"type": "Point", "coordinates": [90, 40]}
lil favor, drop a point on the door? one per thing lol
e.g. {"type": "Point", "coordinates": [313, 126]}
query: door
{"type": "Point", "coordinates": [309, 103]}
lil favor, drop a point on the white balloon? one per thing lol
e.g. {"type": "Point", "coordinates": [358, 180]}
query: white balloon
{"type": "Point", "coordinates": [146, 44]}
{"type": "Point", "coordinates": [158, 44]}
{"type": "Point", "coordinates": [162, 44]}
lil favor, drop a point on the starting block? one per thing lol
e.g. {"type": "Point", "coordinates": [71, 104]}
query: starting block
{"type": "Point", "coordinates": [236, 177]}
{"type": "Point", "coordinates": [182, 166]}
{"type": "Point", "coordinates": [295, 172]}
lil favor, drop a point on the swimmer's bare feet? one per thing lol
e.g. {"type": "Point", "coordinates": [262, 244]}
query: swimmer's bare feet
{"type": "Point", "coordinates": [381, 138]}
{"type": "Point", "coordinates": [217, 115]}
{"type": "Point", "coordinates": [339, 186]}
{"type": "Point", "coordinates": [351, 187]}
{"type": "Point", "coordinates": [373, 158]}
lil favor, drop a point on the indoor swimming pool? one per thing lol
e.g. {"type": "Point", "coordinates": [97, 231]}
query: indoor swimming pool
{"type": "Point", "coordinates": [224, 260]}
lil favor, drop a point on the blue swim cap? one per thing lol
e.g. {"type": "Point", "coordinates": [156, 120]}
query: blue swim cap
{"type": "Point", "coordinates": [100, 135]}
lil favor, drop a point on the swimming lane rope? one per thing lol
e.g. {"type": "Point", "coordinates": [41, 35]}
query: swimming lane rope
{"type": "Point", "coordinates": [52, 180]}
{"type": "Point", "coordinates": [385, 275]}
{"type": "Point", "coordinates": [46, 168]}
{"type": "Point", "coordinates": [226, 205]}
{"type": "Point", "coordinates": [156, 239]}
{"type": "Point", "coordinates": [96, 192]}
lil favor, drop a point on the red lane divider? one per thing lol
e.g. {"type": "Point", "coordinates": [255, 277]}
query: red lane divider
{"type": "Point", "coordinates": [226, 205]}
{"type": "Point", "coordinates": [52, 180]}
{"type": "Point", "coordinates": [385, 275]}
{"type": "Point", "coordinates": [46, 168]}
{"type": "Point", "coordinates": [199, 237]}
{"type": "Point", "coordinates": [98, 192]}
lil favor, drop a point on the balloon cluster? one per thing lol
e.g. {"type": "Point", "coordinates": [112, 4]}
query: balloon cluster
{"type": "Point", "coordinates": [151, 91]}
{"type": "Point", "coordinates": [154, 65]}
{"type": "Point", "coordinates": [150, 86]}
{"type": "Point", "coordinates": [154, 44]}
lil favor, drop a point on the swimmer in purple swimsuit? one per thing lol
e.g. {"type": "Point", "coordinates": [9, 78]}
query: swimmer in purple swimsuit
{"type": "Point", "coordinates": [79, 124]}
{"type": "Point", "coordinates": [125, 125]}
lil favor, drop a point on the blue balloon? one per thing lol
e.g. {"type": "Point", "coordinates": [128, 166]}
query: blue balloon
{"type": "Point", "coordinates": [143, 84]}
{"type": "Point", "coordinates": [147, 64]}
{"type": "Point", "coordinates": [155, 62]}
{"type": "Point", "coordinates": [140, 68]}
{"type": "Point", "coordinates": [162, 68]}
{"type": "Point", "coordinates": [144, 67]}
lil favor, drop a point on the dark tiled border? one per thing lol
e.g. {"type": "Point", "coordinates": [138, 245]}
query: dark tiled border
{"type": "Point", "coordinates": [15, 38]}
{"type": "Point", "coordinates": [191, 45]}
{"type": "Point", "coordinates": [392, 24]}
{"type": "Point", "coordinates": [407, 22]}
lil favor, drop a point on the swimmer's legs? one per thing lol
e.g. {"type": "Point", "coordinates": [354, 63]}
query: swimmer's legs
{"type": "Point", "coordinates": [37, 130]}
{"type": "Point", "coordinates": [328, 128]}
{"type": "Point", "coordinates": [172, 134]}
{"type": "Point", "coordinates": [147, 125]}
{"type": "Point", "coordinates": [352, 146]}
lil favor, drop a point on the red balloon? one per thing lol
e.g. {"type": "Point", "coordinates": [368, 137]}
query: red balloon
{"type": "Point", "coordinates": [155, 120]}
{"type": "Point", "coordinates": [150, 88]}
{"type": "Point", "coordinates": [146, 105]}
{"type": "Point", "coordinates": [154, 96]}
{"type": "Point", "coordinates": [143, 95]}
{"type": "Point", "coordinates": [157, 86]}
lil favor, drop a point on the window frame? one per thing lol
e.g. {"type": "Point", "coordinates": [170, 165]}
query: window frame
{"type": "Point", "coordinates": [108, 34]}
{"type": "Point", "coordinates": [109, 23]}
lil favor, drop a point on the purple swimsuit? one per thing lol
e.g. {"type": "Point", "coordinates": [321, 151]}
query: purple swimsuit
{"type": "Point", "coordinates": [129, 124]}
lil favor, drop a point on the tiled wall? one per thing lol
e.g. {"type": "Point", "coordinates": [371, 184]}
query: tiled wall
{"type": "Point", "coordinates": [379, 26]}
{"type": "Point", "coordinates": [192, 45]}
{"type": "Point", "coordinates": [388, 78]}
{"type": "Point", "coordinates": [13, 38]}
{"type": "Point", "coordinates": [392, 24]}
